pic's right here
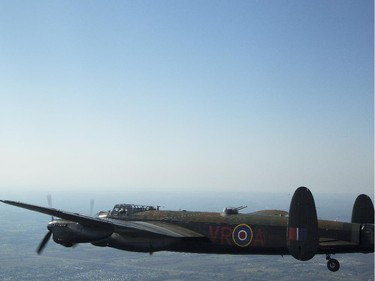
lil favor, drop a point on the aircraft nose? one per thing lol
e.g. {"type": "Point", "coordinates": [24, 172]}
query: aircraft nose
{"type": "Point", "coordinates": [50, 225]}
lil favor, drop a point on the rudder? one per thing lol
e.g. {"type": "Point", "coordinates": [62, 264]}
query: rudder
{"type": "Point", "coordinates": [302, 230]}
{"type": "Point", "coordinates": [363, 210]}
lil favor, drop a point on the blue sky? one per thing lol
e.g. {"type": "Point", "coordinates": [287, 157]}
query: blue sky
{"type": "Point", "coordinates": [187, 96]}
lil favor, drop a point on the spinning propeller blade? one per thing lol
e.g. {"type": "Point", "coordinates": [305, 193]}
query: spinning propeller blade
{"type": "Point", "coordinates": [43, 244]}
{"type": "Point", "coordinates": [49, 200]}
{"type": "Point", "coordinates": [46, 238]}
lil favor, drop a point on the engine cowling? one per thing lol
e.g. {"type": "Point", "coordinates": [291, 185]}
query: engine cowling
{"type": "Point", "coordinates": [69, 233]}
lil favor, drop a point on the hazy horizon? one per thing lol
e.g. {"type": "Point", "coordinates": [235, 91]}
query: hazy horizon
{"type": "Point", "coordinates": [329, 205]}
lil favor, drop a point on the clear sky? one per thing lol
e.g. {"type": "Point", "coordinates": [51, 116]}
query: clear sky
{"type": "Point", "coordinates": [187, 96]}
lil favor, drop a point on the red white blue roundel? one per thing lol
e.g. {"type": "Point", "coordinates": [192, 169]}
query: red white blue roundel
{"type": "Point", "coordinates": [242, 235]}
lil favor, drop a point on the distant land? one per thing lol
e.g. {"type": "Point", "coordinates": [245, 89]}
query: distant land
{"type": "Point", "coordinates": [22, 230]}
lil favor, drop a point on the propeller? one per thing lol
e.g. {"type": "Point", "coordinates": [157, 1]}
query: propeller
{"type": "Point", "coordinates": [46, 238]}
{"type": "Point", "coordinates": [50, 226]}
{"type": "Point", "coordinates": [49, 200]}
{"type": "Point", "coordinates": [44, 242]}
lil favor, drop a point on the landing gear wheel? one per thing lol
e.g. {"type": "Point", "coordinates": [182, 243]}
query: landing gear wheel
{"type": "Point", "coordinates": [333, 265]}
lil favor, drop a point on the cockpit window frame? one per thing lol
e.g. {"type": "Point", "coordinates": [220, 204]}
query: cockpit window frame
{"type": "Point", "coordinates": [129, 209]}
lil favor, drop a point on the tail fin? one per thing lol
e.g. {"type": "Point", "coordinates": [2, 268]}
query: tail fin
{"type": "Point", "coordinates": [302, 231]}
{"type": "Point", "coordinates": [363, 210]}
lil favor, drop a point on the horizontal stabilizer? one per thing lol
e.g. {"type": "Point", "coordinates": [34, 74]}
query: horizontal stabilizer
{"type": "Point", "coordinates": [363, 210]}
{"type": "Point", "coordinates": [302, 231]}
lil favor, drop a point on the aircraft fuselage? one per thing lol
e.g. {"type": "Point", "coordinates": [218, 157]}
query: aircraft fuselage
{"type": "Point", "coordinates": [233, 234]}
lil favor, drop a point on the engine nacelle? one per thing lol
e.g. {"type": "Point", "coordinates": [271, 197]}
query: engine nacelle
{"type": "Point", "coordinates": [69, 233]}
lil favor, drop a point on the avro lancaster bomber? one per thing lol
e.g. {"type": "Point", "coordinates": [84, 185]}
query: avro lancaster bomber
{"type": "Point", "coordinates": [141, 228]}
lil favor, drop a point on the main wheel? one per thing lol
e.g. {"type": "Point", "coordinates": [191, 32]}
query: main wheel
{"type": "Point", "coordinates": [333, 265]}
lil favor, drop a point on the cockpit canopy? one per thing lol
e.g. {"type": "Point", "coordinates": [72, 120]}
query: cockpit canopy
{"type": "Point", "coordinates": [128, 209]}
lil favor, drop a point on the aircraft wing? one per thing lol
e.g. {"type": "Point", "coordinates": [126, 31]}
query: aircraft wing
{"type": "Point", "coordinates": [135, 227]}
{"type": "Point", "coordinates": [331, 243]}
{"type": "Point", "coordinates": [347, 237]}
{"type": "Point", "coordinates": [155, 227]}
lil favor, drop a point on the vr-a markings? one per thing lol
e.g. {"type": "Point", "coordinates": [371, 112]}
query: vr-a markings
{"type": "Point", "coordinates": [220, 234]}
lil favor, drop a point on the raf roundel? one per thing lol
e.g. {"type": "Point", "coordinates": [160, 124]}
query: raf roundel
{"type": "Point", "coordinates": [242, 235]}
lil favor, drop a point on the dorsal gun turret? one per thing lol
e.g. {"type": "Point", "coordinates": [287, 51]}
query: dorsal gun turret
{"type": "Point", "coordinates": [232, 210]}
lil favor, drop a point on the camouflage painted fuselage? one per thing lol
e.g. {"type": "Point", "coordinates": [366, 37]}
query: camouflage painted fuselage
{"type": "Point", "coordinates": [263, 232]}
